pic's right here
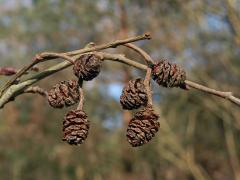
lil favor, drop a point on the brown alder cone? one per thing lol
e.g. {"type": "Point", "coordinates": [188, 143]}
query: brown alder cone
{"type": "Point", "coordinates": [168, 74]}
{"type": "Point", "coordinates": [65, 93]}
{"type": "Point", "coordinates": [75, 127]}
{"type": "Point", "coordinates": [134, 95]}
{"type": "Point", "coordinates": [142, 127]}
{"type": "Point", "coordinates": [87, 67]}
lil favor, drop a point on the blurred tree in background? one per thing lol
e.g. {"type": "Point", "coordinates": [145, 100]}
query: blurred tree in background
{"type": "Point", "coordinates": [199, 136]}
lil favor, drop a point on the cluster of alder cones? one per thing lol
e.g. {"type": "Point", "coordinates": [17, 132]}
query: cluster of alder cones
{"type": "Point", "coordinates": [144, 124]}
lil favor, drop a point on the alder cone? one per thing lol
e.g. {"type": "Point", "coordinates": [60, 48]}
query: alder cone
{"type": "Point", "coordinates": [168, 74]}
{"type": "Point", "coordinates": [87, 66]}
{"type": "Point", "coordinates": [75, 127]}
{"type": "Point", "coordinates": [65, 93]}
{"type": "Point", "coordinates": [142, 127]}
{"type": "Point", "coordinates": [134, 95]}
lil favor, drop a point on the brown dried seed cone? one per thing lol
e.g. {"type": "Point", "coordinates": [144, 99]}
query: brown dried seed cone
{"type": "Point", "coordinates": [75, 127]}
{"type": "Point", "coordinates": [87, 67]}
{"type": "Point", "coordinates": [142, 127]}
{"type": "Point", "coordinates": [65, 93]}
{"type": "Point", "coordinates": [168, 74]}
{"type": "Point", "coordinates": [134, 95]}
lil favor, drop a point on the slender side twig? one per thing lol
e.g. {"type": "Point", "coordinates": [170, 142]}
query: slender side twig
{"type": "Point", "coordinates": [121, 58]}
{"type": "Point", "coordinates": [37, 59]}
{"type": "Point", "coordinates": [140, 51]}
{"type": "Point", "coordinates": [47, 56]}
{"type": "Point", "coordinates": [36, 90]}
{"type": "Point", "coordinates": [81, 96]}
{"type": "Point", "coordinates": [226, 95]}
{"type": "Point", "coordinates": [148, 86]}
{"type": "Point", "coordinates": [52, 55]}
{"type": "Point", "coordinates": [113, 44]}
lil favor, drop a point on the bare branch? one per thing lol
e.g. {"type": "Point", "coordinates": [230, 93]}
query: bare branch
{"type": "Point", "coordinates": [121, 58]}
{"type": "Point", "coordinates": [113, 44]}
{"type": "Point", "coordinates": [48, 55]}
{"type": "Point", "coordinates": [51, 55]}
{"type": "Point", "coordinates": [226, 95]}
{"type": "Point", "coordinates": [15, 89]}
{"type": "Point", "coordinates": [37, 59]}
{"type": "Point", "coordinates": [148, 86]}
{"type": "Point", "coordinates": [81, 96]}
{"type": "Point", "coordinates": [36, 90]}
{"type": "Point", "coordinates": [139, 50]}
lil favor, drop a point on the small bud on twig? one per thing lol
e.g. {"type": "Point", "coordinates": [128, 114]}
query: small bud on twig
{"type": "Point", "coordinates": [7, 71]}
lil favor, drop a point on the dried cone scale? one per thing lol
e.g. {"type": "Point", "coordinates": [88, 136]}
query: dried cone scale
{"type": "Point", "coordinates": [168, 74]}
{"type": "Point", "coordinates": [65, 93]}
{"type": "Point", "coordinates": [75, 127]}
{"type": "Point", "coordinates": [87, 66]}
{"type": "Point", "coordinates": [142, 127]}
{"type": "Point", "coordinates": [134, 95]}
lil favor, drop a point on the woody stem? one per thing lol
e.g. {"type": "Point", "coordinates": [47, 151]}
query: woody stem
{"type": "Point", "coordinates": [147, 84]}
{"type": "Point", "coordinates": [81, 95]}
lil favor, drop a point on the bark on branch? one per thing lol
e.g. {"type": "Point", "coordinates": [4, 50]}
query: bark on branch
{"type": "Point", "coordinates": [13, 90]}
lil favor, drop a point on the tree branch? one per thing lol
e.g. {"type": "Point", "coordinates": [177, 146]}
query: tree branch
{"type": "Point", "coordinates": [36, 90]}
{"type": "Point", "coordinates": [81, 96]}
{"type": "Point", "coordinates": [15, 90]}
{"type": "Point", "coordinates": [49, 56]}
{"type": "Point", "coordinates": [140, 51]}
{"type": "Point", "coordinates": [113, 44]}
{"type": "Point", "coordinates": [148, 86]}
{"type": "Point", "coordinates": [226, 95]}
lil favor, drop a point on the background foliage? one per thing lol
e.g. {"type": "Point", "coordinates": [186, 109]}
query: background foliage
{"type": "Point", "coordinates": [200, 134]}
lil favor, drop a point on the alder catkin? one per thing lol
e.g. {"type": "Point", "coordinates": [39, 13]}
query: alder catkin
{"type": "Point", "coordinates": [65, 93]}
{"type": "Point", "coordinates": [168, 74]}
{"type": "Point", "coordinates": [75, 127]}
{"type": "Point", "coordinates": [87, 66]}
{"type": "Point", "coordinates": [142, 127]}
{"type": "Point", "coordinates": [134, 95]}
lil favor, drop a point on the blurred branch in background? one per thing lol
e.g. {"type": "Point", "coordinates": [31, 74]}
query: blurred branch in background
{"type": "Point", "coordinates": [231, 147]}
{"type": "Point", "coordinates": [233, 19]}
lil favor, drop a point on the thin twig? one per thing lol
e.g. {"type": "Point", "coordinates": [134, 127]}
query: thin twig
{"type": "Point", "coordinates": [140, 51]}
{"type": "Point", "coordinates": [121, 58]}
{"type": "Point", "coordinates": [148, 86]}
{"type": "Point", "coordinates": [226, 95]}
{"type": "Point", "coordinates": [36, 90]}
{"type": "Point", "coordinates": [52, 55]}
{"type": "Point", "coordinates": [48, 56]}
{"type": "Point", "coordinates": [81, 95]}
{"type": "Point", "coordinates": [113, 44]}
{"type": "Point", "coordinates": [14, 90]}
{"type": "Point", "coordinates": [37, 59]}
